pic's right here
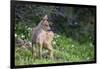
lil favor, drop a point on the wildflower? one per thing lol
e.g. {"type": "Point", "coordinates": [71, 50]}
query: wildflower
{"type": "Point", "coordinates": [54, 42]}
{"type": "Point", "coordinates": [72, 45]}
{"type": "Point", "coordinates": [15, 35]}
{"type": "Point", "coordinates": [29, 28]}
{"type": "Point", "coordinates": [58, 36]}
{"type": "Point", "coordinates": [30, 43]}
{"type": "Point", "coordinates": [62, 48]}
{"type": "Point", "coordinates": [22, 36]}
{"type": "Point", "coordinates": [88, 58]}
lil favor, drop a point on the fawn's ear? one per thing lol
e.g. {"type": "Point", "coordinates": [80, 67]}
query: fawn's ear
{"type": "Point", "coordinates": [45, 17]}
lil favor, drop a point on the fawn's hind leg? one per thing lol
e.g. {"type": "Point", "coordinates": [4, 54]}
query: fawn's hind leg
{"type": "Point", "coordinates": [50, 51]}
{"type": "Point", "coordinates": [40, 50]}
{"type": "Point", "coordinates": [34, 50]}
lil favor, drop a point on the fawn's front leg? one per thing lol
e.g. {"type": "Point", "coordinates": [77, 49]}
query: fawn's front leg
{"type": "Point", "coordinates": [34, 51]}
{"type": "Point", "coordinates": [50, 50]}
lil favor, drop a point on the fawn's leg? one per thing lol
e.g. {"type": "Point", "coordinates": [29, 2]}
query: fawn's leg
{"type": "Point", "coordinates": [51, 53]}
{"type": "Point", "coordinates": [34, 50]}
{"type": "Point", "coordinates": [40, 50]}
{"type": "Point", "coordinates": [50, 50]}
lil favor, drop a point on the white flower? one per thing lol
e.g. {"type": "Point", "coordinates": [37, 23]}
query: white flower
{"type": "Point", "coordinates": [30, 43]}
{"type": "Point", "coordinates": [72, 45]}
{"type": "Point", "coordinates": [22, 36]}
{"type": "Point", "coordinates": [29, 28]}
{"type": "Point", "coordinates": [58, 36]}
{"type": "Point", "coordinates": [62, 48]}
{"type": "Point", "coordinates": [88, 58]}
{"type": "Point", "coordinates": [15, 35]}
{"type": "Point", "coordinates": [54, 42]}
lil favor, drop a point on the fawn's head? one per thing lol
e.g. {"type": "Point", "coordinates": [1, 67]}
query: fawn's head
{"type": "Point", "coordinates": [45, 24]}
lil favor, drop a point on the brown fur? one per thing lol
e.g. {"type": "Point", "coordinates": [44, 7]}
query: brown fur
{"type": "Point", "coordinates": [47, 42]}
{"type": "Point", "coordinates": [41, 38]}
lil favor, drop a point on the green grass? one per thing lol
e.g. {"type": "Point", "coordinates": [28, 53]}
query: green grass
{"type": "Point", "coordinates": [65, 50]}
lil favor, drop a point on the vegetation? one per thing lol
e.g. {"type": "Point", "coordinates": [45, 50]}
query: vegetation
{"type": "Point", "coordinates": [65, 50]}
{"type": "Point", "coordinates": [73, 27]}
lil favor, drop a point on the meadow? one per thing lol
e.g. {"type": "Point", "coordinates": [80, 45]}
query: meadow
{"type": "Point", "coordinates": [65, 50]}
